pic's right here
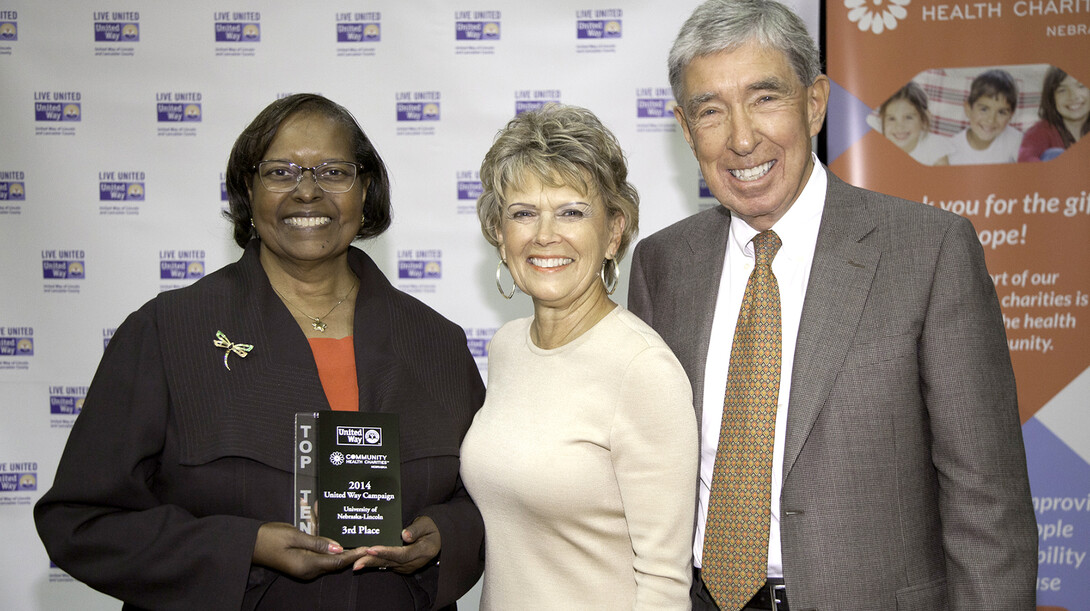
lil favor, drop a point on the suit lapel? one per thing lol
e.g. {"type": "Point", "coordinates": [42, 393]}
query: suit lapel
{"type": "Point", "coordinates": [839, 285]}
{"type": "Point", "coordinates": [708, 247]}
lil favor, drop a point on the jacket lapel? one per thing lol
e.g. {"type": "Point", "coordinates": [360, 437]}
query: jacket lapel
{"type": "Point", "coordinates": [700, 286]}
{"type": "Point", "coordinates": [839, 285]}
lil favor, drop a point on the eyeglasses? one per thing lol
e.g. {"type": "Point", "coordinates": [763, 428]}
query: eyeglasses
{"type": "Point", "coordinates": [284, 176]}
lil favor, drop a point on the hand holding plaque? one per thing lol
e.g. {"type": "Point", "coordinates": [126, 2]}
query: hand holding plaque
{"type": "Point", "coordinates": [348, 477]}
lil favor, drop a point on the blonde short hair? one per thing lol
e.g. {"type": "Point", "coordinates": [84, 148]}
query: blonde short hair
{"type": "Point", "coordinates": [561, 146]}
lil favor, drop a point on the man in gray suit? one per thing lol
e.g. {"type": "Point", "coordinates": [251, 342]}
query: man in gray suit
{"type": "Point", "coordinates": [898, 476]}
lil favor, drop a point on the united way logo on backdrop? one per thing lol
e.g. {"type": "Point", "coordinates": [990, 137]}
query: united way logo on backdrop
{"type": "Point", "coordinates": [63, 265]}
{"type": "Point", "coordinates": [655, 109]}
{"type": "Point", "coordinates": [477, 25]}
{"type": "Point", "coordinates": [238, 26]}
{"type": "Point", "coordinates": [702, 188]}
{"type": "Point", "coordinates": [12, 186]}
{"type": "Point", "coordinates": [18, 477]}
{"type": "Point", "coordinates": [533, 99]}
{"type": "Point", "coordinates": [114, 186]}
{"type": "Point", "coordinates": [598, 24]}
{"type": "Point", "coordinates": [420, 264]}
{"type": "Point", "coordinates": [418, 112]}
{"type": "Point", "coordinates": [66, 400]}
{"type": "Point", "coordinates": [9, 27]}
{"type": "Point", "coordinates": [359, 27]}
{"type": "Point", "coordinates": [477, 340]}
{"type": "Point", "coordinates": [117, 26]}
{"type": "Point", "coordinates": [418, 270]}
{"type": "Point", "coordinates": [469, 189]}
{"type": "Point", "coordinates": [16, 341]}
{"type": "Point", "coordinates": [418, 105]}
{"type": "Point", "coordinates": [181, 264]}
{"type": "Point", "coordinates": [655, 103]}
{"type": "Point", "coordinates": [50, 106]}
{"type": "Point", "coordinates": [178, 107]}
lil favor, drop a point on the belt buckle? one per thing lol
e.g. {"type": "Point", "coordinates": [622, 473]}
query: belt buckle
{"type": "Point", "coordinates": [775, 591]}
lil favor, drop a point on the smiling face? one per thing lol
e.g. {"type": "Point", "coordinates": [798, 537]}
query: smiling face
{"type": "Point", "coordinates": [1073, 100]}
{"type": "Point", "coordinates": [988, 117]}
{"type": "Point", "coordinates": [749, 120]}
{"type": "Point", "coordinates": [308, 225]}
{"type": "Point", "coordinates": [555, 240]}
{"type": "Point", "coordinates": [902, 124]}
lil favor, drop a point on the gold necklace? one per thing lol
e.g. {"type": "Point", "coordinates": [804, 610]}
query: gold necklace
{"type": "Point", "coordinates": [316, 321]}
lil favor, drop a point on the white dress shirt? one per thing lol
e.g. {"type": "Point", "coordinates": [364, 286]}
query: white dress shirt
{"type": "Point", "coordinates": [798, 231]}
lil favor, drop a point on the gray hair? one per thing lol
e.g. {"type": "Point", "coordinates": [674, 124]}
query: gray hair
{"type": "Point", "coordinates": [726, 25]}
{"type": "Point", "coordinates": [561, 146]}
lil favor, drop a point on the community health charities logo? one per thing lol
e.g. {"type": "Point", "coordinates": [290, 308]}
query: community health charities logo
{"type": "Point", "coordinates": [17, 341]}
{"type": "Point", "coordinates": [57, 106]}
{"type": "Point", "coordinates": [359, 27]}
{"type": "Point", "coordinates": [418, 105]}
{"type": "Point", "coordinates": [178, 107]}
{"type": "Point", "coordinates": [598, 24]}
{"type": "Point", "coordinates": [121, 186]}
{"type": "Point", "coordinates": [876, 15]}
{"type": "Point", "coordinates": [9, 27]}
{"type": "Point", "coordinates": [527, 100]}
{"type": "Point", "coordinates": [181, 264]}
{"type": "Point", "coordinates": [12, 186]}
{"type": "Point", "coordinates": [66, 400]}
{"type": "Point", "coordinates": [63, 265]}
{"type": "Point", "coordinates": [476, 25]}
{"type": "Point", "coordinates": [18, 476]}
{"type": "Point", "coordinates": [237, 26]}
{"type": "Point", "coordinates": [420, 264]}
{"type": "Point", "coordinates": [117, 26]}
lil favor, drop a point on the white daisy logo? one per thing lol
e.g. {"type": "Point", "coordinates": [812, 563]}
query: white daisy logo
{"type": "Point", "coordinates": [336, 458]}
{"type": "Point", "coordinates": [876, 15]}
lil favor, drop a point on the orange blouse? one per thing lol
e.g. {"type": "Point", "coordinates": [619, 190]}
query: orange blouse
{"type": "Point", "coordinates": [336, 359]}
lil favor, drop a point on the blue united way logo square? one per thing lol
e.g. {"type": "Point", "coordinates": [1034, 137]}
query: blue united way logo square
{"type": "Point", "coordinates": [16, 346]}
{"type": "Point", "coordinates": [469, 189]}
{"type": "Point", "coordinates": [12, 191]}
{"type": "Point", "coordinates": [419, 270]}
{"type": "Point", "coordinates": [9, 31]}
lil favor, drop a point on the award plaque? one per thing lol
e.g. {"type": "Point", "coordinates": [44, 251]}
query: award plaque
{"type": "Point", "coordinates": [348, 477]}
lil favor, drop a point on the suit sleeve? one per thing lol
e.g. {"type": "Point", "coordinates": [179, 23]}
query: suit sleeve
{"type": "Point", "coordinates": [103, 522]}
{"type": "Point", "coordinates": [988, 526]}
{"type": "Point", "coordinates": [639, 293]}
{"type": "Point", "coordinates": [655, 456]}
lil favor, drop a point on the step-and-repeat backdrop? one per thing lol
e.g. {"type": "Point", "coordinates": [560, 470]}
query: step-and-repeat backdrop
{"type": "Point", "coordinates": [116, 120]}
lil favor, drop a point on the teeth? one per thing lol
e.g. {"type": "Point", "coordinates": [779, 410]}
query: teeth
{"type": "Point", "coordinates": [539, 262]}
{"type": "Point", "coordinates": [307, 221]}
{"type": "Point", "coordinates": [752, 173]}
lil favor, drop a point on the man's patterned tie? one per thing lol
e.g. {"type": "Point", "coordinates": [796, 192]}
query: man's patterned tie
{"type": "Point", "coordinates": [735, 558]}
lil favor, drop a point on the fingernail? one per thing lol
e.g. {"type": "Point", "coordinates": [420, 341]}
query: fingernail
{"type": "Point", "coordinates": [335, 548]}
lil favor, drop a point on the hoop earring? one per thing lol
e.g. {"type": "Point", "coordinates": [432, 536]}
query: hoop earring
{"type": "Point", "coordinates": [614, 275]}
{"type": "Point", "coordinates": [499, 285]}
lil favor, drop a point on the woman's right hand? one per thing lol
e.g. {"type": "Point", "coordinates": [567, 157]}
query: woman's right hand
{"type": "Point", "coordinates": [283, 547]}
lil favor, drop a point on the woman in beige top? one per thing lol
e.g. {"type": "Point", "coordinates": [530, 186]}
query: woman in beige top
{"type": "Point", "coordinates": [583, 459]}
